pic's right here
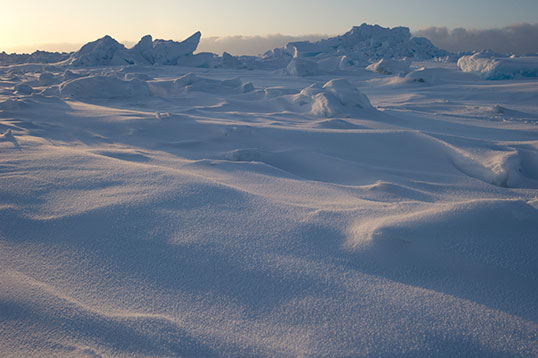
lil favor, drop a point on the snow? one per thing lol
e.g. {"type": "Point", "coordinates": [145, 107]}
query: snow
{"type": "Point", "coordinates": [499, 68]}
{"type": "Point", "coordinates": [195, 205]}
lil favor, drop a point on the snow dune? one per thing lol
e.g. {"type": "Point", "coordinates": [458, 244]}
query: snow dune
{"type": "Point", "coordinates": [168, 211]}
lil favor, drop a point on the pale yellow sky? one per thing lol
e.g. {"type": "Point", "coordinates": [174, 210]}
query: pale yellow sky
{"type": "Point", "coordinates": [66, 24]}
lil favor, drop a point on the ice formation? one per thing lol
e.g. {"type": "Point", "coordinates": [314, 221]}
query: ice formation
{"type": "Point", "coordinates": [35, 57]}
{"type": "Point", "coordinates": [499, 68]}
{"type": "Point", "coordinates": [360, 46]}
{"type": "Point", "coordinates": [357, 48]}
{"type": "Point", "coordinates": [108, 52]}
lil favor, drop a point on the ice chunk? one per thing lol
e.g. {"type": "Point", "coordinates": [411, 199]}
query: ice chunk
{"type": "Point", "coordinates": [167, 52]}
{"type": "Point", "coordinates": [108, 52]}
{"type": "Point", "coordinates": [494, 68]}
{"type": "Point", "coordinates": [103, 52]}
{"type": "Point", "coordinates": [144, 48]}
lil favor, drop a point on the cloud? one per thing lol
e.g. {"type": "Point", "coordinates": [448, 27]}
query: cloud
{"type": "Point", "coordinates": [519, 38]}
{"type": "Point", "coordinates": [250, 45]}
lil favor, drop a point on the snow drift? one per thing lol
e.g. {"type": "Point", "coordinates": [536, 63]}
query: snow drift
{"type": "Point", "coordinates": [337, 97]}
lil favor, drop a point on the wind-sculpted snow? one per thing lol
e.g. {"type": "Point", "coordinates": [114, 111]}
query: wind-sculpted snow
{"type": "Point", "coordinates": [337, 97]}
{"type": "Point", "coordinates": [171, 211]}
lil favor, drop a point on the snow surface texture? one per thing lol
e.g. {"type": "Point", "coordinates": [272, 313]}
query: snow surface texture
{"type": "Point", "coordinates": [169, 211]}
{"type": "Point", "coordinates": [499, 68]}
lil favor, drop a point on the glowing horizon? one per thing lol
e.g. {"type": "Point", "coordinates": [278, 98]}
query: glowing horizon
{"type": "Point", "coordinates": [61, 25]}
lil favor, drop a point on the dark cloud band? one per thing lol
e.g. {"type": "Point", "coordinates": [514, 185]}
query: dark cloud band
{"type": "Point", "coordinates": [518, 39]}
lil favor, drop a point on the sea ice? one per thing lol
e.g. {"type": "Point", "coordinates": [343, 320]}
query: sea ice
{"type": "Point", "coordinates": [499, 68]}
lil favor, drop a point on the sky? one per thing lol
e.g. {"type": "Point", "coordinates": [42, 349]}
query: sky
{"type": "Point", "coordinates": [65, 24]}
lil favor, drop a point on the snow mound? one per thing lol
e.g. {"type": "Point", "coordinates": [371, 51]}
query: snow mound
{"type": "Point", "coordinates": [104, 88]}
{"type": "Point", "coordinates": [23, 89]}
{"type": "Point", "coordinates": [390, 67]}
{"type": "Point", "coordinates": [48, 79]}
{"type": "Point", "coordinates": [337, 97]}
{"type": "Point", "coordinates": [494, 68]}
{"type": "Point", "coordinates": [201, 60]}
{"type": "Point", "coordinates": [421, 75]}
